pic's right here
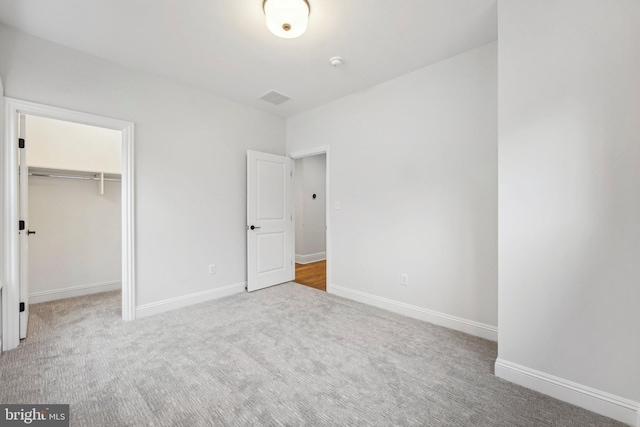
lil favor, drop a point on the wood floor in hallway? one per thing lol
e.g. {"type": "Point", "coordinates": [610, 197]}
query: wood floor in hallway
{"type": "Point", "coordinates": [313, 275]}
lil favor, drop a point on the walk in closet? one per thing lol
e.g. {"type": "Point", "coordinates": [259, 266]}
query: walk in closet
{"type": "Point", "coordinates": [74, 207]}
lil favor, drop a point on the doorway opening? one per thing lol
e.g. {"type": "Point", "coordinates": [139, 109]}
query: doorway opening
{"type": "Point", "coordinates": [46, 172]}
{"type": "Point", "coordinates": [311, 201]}
{"type": "Point", "coordinates": [71, 200]}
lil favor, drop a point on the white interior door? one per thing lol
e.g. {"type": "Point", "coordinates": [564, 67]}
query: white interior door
{"type": "Point", "coordinates": [24, 232]}
{"type": "Point", "coordinates": [270, 232]}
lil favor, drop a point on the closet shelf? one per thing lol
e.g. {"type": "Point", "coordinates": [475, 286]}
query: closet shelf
{"type": "Point", "coordinates": [101, 177]}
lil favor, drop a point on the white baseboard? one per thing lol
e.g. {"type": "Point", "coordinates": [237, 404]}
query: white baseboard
{"type": "Point", "coordinates": [308, 259]}
{"type": "Point", "coordinates": [470, 327]}
{"type": "Point", "coordinates": [600, 402]}
{"type": "Point", "coordinates": [186, 300]}
{"type": "Point", "coordinates": [73, 291]}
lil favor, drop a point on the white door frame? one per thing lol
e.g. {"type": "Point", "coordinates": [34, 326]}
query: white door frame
{"type": "Point", "coordinates": [9, 212]}
{"type": "Point", "coordinates": [325, 149]}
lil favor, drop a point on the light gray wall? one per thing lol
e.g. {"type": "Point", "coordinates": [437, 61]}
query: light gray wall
{"type": "Point", "coordinates": [57, 144]}
{"type": "Point", "coordinates": [569, 168]}
{"type": "Point", "coordinates": [190, 151]}
{"type": "Point", "coordinates": [414, 167]}
{"type": "Point", "coordinates": [310, 212]}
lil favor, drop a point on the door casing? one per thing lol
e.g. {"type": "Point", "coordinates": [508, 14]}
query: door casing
{"type": "Point", "coordinates": [23, 238]}
{"type": "Point", "coordinates": [9, 261]}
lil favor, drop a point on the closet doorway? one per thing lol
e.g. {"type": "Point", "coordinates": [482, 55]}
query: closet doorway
{"type": "Point", "coordinates": [311, 213]}
{"type": "Point", "coordinates": [62, 174]}
{"type": "Point", "coordinates": [75, 201]}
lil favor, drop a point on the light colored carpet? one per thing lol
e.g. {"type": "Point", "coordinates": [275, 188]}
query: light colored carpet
{"type": "Point", "coordinates": [287, 355]}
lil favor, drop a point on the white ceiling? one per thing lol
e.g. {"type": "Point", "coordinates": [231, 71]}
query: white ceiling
{"type": "Point", "coordinates": [224, 47]}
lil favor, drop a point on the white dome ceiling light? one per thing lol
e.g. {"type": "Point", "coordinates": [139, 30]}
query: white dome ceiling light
{"type": "Point", "coordinates": [286, 18]}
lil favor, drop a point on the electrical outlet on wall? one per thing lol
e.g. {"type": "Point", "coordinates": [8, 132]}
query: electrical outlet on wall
{"type": "Point", "coordinates": [212, 269]}
{"type": "Point", "coordinates": [404, 279]}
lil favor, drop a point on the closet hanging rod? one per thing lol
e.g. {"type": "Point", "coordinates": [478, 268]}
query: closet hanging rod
{"type": "Point", "coordinates": [90, 178]}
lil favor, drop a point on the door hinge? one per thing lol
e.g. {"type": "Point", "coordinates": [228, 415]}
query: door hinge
{"type": "Point", "coordinates": [20, 142]}
{"type": "Point", "coordinates": [21, 307]}
{"type": "Point", "coordinates": [20, 225]}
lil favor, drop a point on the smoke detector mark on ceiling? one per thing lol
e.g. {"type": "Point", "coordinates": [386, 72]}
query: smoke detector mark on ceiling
{"type": "Point", "coordinates": [336, 61]}
{"type": "Point", "coordinates": [275, 98]}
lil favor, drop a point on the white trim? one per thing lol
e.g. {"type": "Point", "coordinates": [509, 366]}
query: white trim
{"type": "Point", "coordinates": [187, 300]}
{"type": "Point", "coordinates": [73, 291]}
{"type": "Point", "coordinates": [308, 259]}
{"type": "Point", "coordinates": [10, 259]}
{"type": "Point", "coordinates": [448, 321]}
{"type": "Point", "coordinates": [325, 149]}
{"type": "Point", "coordinates": [128, 226]}
{"type": "Point", "coordinates": [310, 152]}
{"type": "Point", "coordinates": [9, 211]}
{"type": "Point", "coordinates": [600, 402]}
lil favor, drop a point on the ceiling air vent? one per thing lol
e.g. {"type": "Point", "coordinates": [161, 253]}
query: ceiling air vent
{"type": "Point", "coordinates": [275, 98]}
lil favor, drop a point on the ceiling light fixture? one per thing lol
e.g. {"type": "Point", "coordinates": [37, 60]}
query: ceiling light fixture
{"type": "Point", "coordinates": [286, 18]}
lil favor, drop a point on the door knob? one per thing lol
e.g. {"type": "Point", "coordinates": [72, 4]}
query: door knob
{"type": "Point", "coordinates": [253, 227]}
{"type": "Point", "coordinates": [30, 232]}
